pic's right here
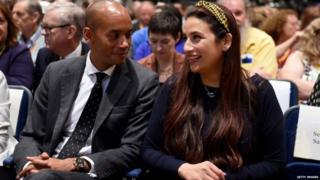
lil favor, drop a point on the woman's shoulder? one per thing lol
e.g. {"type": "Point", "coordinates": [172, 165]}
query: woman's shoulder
{"type": "Point", "coordinates": [18, 48]}
{"type": "Point", "coordinates": [148, 62]}
{"type": "Point", "coordinates": [169, 84]}
{"type": "Point", "coordinates": [256, 79]}
{"type": "Point", "coordinates": [179, 60]}
{"type": "Point", "coordinates": [147, 59]}
{"type": "Point", "coordinates": [261, 84]}
{"type": "Point", "coordinates": [297, 54]}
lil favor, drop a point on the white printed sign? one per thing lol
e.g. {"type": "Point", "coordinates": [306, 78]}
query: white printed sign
{"type": "Point", "coordinates": [307, 143]}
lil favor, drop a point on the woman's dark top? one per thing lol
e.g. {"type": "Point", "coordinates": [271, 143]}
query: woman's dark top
{"type": "Point", "coordinates": [16, 64]}
{"type": "Point", "coordinates": [263, 159]}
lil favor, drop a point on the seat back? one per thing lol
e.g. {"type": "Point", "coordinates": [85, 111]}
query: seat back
{"type": "Point", "coordinates": [295, 166]}
{"type": "Point", "coordinates": [291, 121]}
{"type": "Point", "coordinates": [286, 93]}
{"type": "Point", "coordinates": [21, 99]}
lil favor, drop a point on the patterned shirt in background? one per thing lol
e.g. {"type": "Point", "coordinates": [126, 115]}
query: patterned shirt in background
{"type": "Point", "coordinates": [314, 99]}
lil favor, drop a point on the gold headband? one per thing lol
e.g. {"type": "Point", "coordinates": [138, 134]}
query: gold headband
{"type": "Point", "coordinates": [216, 11]}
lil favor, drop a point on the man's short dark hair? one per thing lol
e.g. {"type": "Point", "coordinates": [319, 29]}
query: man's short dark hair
{"type": "Point", "coordinates": [33, 6]}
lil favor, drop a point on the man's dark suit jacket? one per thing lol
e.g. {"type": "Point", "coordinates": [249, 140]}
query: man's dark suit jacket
{"type": "Point", "coordinates": [121, 119]}
{"type": "Point", "coordinates": [45, 57]}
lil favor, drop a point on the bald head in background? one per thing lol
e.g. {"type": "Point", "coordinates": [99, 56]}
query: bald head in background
{"type": "Point", "coordinates": [258, 49]}
{"type": "Point", "coordinates": [108, 31]}
{"type": "Point", "coordinates": [238, 9]}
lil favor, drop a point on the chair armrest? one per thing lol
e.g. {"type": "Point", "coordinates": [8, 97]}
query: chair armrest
{"type": "Point", "coordinates": [302, 170]}
{"type": "Point", "coordinates": [304, 167]}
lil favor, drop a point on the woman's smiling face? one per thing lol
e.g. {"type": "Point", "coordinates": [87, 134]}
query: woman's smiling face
{"type": "Point", "coordinates": [203, 51]}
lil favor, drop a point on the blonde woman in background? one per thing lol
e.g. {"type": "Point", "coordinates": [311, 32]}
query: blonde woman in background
{"type": "Point", "coordinates": [303, 66]}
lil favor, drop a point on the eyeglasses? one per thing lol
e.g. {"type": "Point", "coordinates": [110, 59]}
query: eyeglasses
{"type": "Point", "coordinates": [48, 28]}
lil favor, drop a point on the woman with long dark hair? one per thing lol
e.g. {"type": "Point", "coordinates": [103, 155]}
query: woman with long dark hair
{"type": "Point", "coordinates": [213, 121]}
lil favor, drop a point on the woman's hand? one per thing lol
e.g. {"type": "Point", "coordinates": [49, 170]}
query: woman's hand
{"type": "Point", "coordinates": [201, 171]}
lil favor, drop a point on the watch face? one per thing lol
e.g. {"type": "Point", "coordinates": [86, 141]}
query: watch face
{"type": "Point", "coordinates": [80, 164]}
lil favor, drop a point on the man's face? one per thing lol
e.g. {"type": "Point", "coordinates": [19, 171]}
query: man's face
{"type": "Point", "coordinates": [55, 32]}
{"type": "Point", "coordinates": [110, 38]}
{"type": "Point", "coordinates": [146, 12]}
{"type": "Point", "coordinates": [22, 18]}
{"type": "Point", "coordinates": [238, 9]}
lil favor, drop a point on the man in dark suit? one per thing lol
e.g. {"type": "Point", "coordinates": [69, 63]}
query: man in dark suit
{"type": "Point", "coordinates": [62, 25]}
{"type": "Point", "coordinates": [61, 105]}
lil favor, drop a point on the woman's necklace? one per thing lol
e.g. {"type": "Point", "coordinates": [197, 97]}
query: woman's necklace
{"type": "Point", "coordinates": [210, 94]}
{"type": "Point", "coordinates": [164, 74]}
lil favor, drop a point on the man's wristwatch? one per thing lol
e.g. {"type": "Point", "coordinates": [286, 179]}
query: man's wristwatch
{"type": "Point", "coordinates": [81, 164]}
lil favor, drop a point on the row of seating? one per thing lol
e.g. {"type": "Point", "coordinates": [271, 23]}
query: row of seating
{"type": "Point", "coordinates": [286, 93]}
{"type": "Point", "coordinates": [297, 168]}
{"type": "Point", "coordinates": [21, 100]}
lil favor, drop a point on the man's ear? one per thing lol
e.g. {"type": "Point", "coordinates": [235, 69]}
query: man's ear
{"type": "Point", "coordinates": [227, 41]}
{"type": "Point", "coordinates": [35, 16]}
{"type": "Point", "coordinates": [72, 30]}
{"type": "Point", "coordinates": [87, 33]}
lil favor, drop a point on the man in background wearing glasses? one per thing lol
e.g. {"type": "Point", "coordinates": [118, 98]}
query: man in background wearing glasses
{"type": "Point", "coordinates": [62, 27]}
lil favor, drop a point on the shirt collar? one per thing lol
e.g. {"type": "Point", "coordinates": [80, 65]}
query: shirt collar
{"type": "Point", "coordinates": [32, 39]}
{"type": "Point", "coordinates": [76, 52]}
{"type": "Point", "coordinates": [91, 69]}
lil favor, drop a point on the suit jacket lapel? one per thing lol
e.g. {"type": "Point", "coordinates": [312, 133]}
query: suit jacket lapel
{"type": "Point", "coordinates": [117, 85]}
{"type": "Point", "coordinates": [70, 81]}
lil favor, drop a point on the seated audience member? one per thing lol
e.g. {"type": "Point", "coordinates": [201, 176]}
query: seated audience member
{"type": "Point", "coordinates": [283, 27]}
{"type": "Point", "coordinates": [15, 59]}
{"type": "Point", "coordinates": [133, 7]}
{"type": "Point", "coordinates": [303, 66]}
{"type": "Point", "coordinates": [62, 27]}
{"type": "Point", "coordinates": [27, 15]}
{"type": "Point", "coordinates": [140, 25]}
{"type": "Point", "coordinates": [138, 37]}
{"type": "Point", "coordinates": [144, 48]}
{"type": "Point", "coordinates": [164, 32]}
{"type": "Point", "coordinates": [90, 113]}
{"type": "Point", "coordinates": [213, 121]}
{"type": "Point", "coordinates": [144, 14]}
{"type": "Point", "coordinates": [258, 50]}
{"type": "Point", "coordinates": [258, 14]}
{"type": "Point", "coordinates": [7, 141]}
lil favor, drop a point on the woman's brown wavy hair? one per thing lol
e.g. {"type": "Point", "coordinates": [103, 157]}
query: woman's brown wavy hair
{"type": "Point", "coordinates": [184, 122]}
{"type": "Point", "coordinates": [310, 42]}
{"type": "Point", "coordinates": [11, 39]}
{"type": "Point", "coordinates": [274, 24]}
